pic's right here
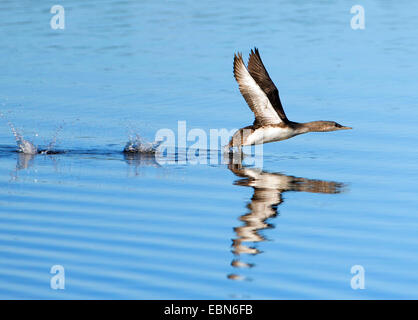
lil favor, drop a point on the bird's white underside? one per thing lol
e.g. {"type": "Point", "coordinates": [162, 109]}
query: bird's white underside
{"type": "Point", "coordinates": [269, 134]}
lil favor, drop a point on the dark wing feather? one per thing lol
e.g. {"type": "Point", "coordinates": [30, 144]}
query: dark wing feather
{"type": "Point", "coordinates": [255, 97]}
{"type": "Point", "coordinates": [260, 75]}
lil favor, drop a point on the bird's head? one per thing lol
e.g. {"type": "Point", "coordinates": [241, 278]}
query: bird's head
{"type": "Point", "coordinates": [325, 126]}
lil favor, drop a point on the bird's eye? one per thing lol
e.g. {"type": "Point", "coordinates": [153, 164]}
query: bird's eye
{"type": "Point", "coordinates": [338, 125]}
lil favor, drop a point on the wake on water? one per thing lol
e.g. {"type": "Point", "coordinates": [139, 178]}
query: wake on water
{"type": "Point", "coordinates": [135, 144]}
{"type": "Point", "coordinates": [27, 147]}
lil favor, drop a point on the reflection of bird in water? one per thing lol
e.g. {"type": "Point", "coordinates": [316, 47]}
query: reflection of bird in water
{"type": "Point", "coordinates": [268, 189]}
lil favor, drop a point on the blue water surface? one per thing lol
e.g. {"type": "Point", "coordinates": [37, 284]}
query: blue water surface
{"type": "Point", "coordinates": [127, 227]}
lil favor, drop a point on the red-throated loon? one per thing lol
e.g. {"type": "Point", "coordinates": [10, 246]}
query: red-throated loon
{"type": "Point", "coordinates": [262, 96]}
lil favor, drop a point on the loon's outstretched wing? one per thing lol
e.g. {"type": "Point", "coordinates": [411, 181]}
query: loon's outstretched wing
{"type": "Point", "coordinates": [255, 97]}
{"type": "Point", "coordinates": [259, 73]}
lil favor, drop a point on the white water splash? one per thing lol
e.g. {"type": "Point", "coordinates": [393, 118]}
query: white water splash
{"type": "Point", "coordinates": [137, 145]}
{"type": "Point", "coordinates": [23, 145]}
{"type": "Point", "coordinates": [51, 145]}
{"type": "Point", "coordinates": [27, 147]}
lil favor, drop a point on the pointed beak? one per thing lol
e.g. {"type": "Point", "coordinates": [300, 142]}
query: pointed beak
{"type": "Point", "coordinates": [345, 128]}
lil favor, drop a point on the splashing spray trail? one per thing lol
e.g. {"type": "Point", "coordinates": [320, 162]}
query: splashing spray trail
{"type": "Point", "coordinates": [23, 145]}
{"type": "Point", "coordinates": [137, 145]}
{"type": "Point", "coordinates": [53, 142]}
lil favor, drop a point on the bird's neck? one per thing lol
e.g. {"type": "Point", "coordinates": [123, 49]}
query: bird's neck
{"type": "Point", "coordinates": [313, 126]}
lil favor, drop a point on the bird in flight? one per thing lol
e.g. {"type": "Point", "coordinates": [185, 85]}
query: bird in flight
{"type": "Point", "coordinates": [271, 123]}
